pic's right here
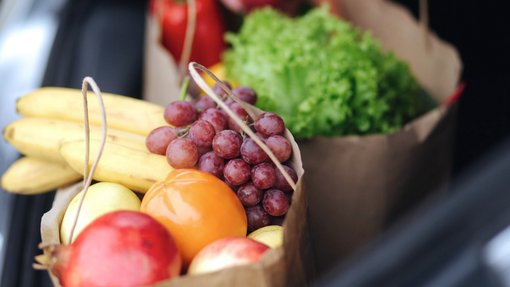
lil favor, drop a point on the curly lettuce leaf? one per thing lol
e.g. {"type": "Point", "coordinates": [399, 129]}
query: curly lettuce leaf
{"type": "Point", "coordinates": [322, 75]}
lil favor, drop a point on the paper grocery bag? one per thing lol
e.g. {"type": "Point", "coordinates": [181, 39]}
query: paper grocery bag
{"type": "Point", "coordinates": [358, 184]}
{"type": "Point", "coordinates": [288, 265]}
{"type": "Point", "coordinates": [50, 222]}
{"type": "Point", "coordinates": [291, 265]}
{"type": "Point", "coordinates": [160, 77]}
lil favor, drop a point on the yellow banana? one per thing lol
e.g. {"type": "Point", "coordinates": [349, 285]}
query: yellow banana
{"type": "Point", "coordinates": [30, 175]}
{"type": "Point", "coordinates": [41, 138]}
{"type": "Point", "coordinates": [123, 113]}
{"type": "Point", "coordinates": [135, 169]}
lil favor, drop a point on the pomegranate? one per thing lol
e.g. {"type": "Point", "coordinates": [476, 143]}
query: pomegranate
{"type": "Point", "coordinates": [120, 248]}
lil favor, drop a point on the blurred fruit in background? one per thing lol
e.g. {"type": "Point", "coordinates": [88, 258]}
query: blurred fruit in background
{"type": "Point", "coordinates": [246, 6]}
{"type": "Point", "coordinates": [208, 42]}
{"type": "Point", "coordinates": [334, 6]}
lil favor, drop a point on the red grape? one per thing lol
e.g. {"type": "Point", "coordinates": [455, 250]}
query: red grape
{"type": "Point", "coordinates": [237, 171]}
{"type": "Point", "coordinates": [204, 150]}
{"type": "Point", "coordinates": [228, 101]}
{"type": "Point", "coordinates": [227, 144]}
{"type": "Point", "coordinates": [159, 138]}
{"type": "Point", "coordinates": [280, 147]}
{"type": "Point", "coordinates": [202, 133]}
{"type": "Point", "coordinates": [182, 153]}
{"type": "Point", "coordinates": [249, 195]}
{"type": "Point", "coordinates": [193, 89]}
{"type": "Point", "coordinates": [211, 163]}
{"type": "Point", "coordinates": [281, 183]}
{"type": "Point", "coordinates": [215, 117]}
{"type": "Point", "coordinates": [180, 113]}
{"type": "Point", "coordinates": [261, 136]}
{"type": "Point", "coordinates": [275, 202]}
{"type": "Point", "coordinates": [246, 94]}
{"type": "Point", "coordinates": [269, 124]}
{"type": "Point", "coordinates": [289, 197]}
{"type": "Point", "coordinates": [225, 115]}
{"type": "Point", "coordinates": [219, 90]}
{"type": "Point", "coordinates": [241, 113]}
{"type": "Point", "coordinates": [263, 175]}
{"type": "Point", "coordinates": [251, 152]}
{"type": "Point", "coordinates": [203, 103]}
{"type": "Point", "coordinates": [257, 218]}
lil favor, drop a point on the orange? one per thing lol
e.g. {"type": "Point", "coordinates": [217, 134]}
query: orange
{"type": "Point", "coordinates": [197, 208]}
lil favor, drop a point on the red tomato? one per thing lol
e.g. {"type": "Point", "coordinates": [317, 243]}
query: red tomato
{"type": "Point", "coordinates": [208, 41]}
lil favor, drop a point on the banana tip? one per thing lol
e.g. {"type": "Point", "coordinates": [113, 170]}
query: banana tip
{"type": "Point", "coordinates": [8, 132]}
{"type": "Point", "coordinates": [17, 104]}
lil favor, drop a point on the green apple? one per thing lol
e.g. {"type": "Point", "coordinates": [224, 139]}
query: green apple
{"type": "Point", "coordinates": [101, 198]}
{"type": "Point", "coordinates": [271, 235]}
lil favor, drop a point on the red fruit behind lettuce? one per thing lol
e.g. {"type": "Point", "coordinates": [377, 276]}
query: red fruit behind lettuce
{"type": "Point", "coordinates": [246, 6]}
{"type": "Point", "coordinates": [208, 42]}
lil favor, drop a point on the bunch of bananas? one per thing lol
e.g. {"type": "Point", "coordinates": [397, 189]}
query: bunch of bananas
{"type": "Point", "coordinates": [51, 137]}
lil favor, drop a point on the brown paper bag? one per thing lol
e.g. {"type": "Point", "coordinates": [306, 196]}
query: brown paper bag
{"type": "Point", "coordinates": [160, 77]}
{"type": "Point", "coordinates": [358, 183]}
{"type": "Point", "coordinates": [289, 265]}
{"type": "Point", "coordinates": [282, 266]}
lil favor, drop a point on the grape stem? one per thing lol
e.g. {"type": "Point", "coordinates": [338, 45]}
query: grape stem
{"type": "Point", "coordinates": [193, 66]}
{"type": "Point", "coordinates": [183, 132]}
{"type": "Point", "coordinates": [87, 177]}
{"type": "Point", "coordinates": [184, 88]}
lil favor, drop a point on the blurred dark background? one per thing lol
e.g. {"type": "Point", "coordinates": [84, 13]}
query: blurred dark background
{"type": "Point", "coordinates": [100, 38]}
{"type": "Point", "coordinates": [461, 238]}
{"type": "Point", "coordinates": [479, 31]}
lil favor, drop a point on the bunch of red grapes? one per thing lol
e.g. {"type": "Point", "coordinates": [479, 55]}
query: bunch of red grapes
{"type": "Point", "coordinates": [203, 136]}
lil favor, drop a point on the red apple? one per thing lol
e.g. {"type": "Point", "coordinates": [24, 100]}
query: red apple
{"type": "Point", "coordinates": [227, 252]}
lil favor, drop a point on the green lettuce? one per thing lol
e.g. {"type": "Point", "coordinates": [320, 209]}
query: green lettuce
{"type": "Point", "coordinates": [322, 75]}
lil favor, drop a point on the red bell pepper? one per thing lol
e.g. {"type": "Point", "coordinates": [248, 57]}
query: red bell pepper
{"type": "Point", "coordinates": [208, 41]}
